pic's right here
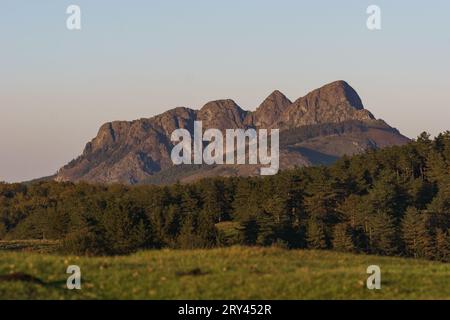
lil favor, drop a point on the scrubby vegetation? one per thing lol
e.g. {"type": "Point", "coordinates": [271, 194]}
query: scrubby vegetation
{"type": "Point", "coordinates": [394, 201]}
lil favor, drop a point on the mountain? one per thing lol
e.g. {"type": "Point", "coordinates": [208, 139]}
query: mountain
{"type": "Point", "coordinates": [318, 128]}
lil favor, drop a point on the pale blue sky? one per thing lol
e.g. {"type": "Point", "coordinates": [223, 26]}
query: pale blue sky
{"type": "Point", "coordinates": [135, 59]}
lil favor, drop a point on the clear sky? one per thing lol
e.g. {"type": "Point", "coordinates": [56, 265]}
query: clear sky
{"type": "Point", "coordinates": [135, 59]}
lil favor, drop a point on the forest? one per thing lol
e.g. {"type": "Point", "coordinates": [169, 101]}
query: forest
{"type": "Point", "coordinates": [394, 201]}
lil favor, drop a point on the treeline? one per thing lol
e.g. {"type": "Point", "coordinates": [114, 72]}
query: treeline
{"type": "Point", "coordinates": [394, 201]}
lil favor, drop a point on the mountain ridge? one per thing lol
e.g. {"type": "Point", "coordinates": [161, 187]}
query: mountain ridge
{"type": "Point", "coordinates": [132, 151]}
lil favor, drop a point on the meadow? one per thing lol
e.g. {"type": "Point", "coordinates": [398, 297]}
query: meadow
{"type": "Point", "coordinates": [222, 273]}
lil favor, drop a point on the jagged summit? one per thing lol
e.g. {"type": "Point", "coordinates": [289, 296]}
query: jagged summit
{"type": "Point", "coordinates": [333, 103]}
{"type": "Point", "coordinates": [275, 99]}
{"type": "Point", "coordinates": [222, 114]}
{"type": "Point", "coordinates": [317, 128]}
{"type": "Point", "coordinates": [270, 110]}
{"type": "Point", "coordinates": [338, 92]}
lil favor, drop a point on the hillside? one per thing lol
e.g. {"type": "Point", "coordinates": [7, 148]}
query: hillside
{"type": "Point", "coordinates": [318, 128]}
{"type": "Point", "coordinates": [231, 273]}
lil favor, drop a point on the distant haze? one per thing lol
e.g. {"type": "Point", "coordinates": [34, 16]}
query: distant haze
{"type": "Point", "coordinates": [135, 59]}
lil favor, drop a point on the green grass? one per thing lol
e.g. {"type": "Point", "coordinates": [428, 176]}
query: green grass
{"type": "Point", "coordinates": [229, 273]}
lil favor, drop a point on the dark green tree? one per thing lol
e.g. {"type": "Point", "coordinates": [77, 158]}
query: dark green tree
{"type": "Point", "coordinates": [415, 234]}
{"type": "Point", "coordinates": [316, 235]}
{"type": "Point", "coordinates": [342, 238]}
{"type": "Point", "coordinates": [382, 234]}
{"type": "Point", "coordinates": [442, 245]}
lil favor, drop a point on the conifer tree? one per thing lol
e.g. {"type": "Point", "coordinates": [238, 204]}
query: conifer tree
{"type": "Point", "coordinates": [382, 234]}
{"type": "Point", "coordinates": [442, 245]}
{"type": "Point", "coordinates": [206, 230]}
{"type": "Point", "coordinates": [321, 196]}
{"type": "Point", "coordinates": [215, 200]}
{"type": "Point", "coordinates": [190, 203]}
{"type": "Point", "coordinates": [316, 235]}
{"type": "Point", "coordinates": [342, 238]}
{"type": "Point", "coordinates": [416, 237]}
{"type": "Point", "coordinates": [250, 230]}
{"type": "Point", "coordinates": [187, 239]}
{"type": "Point", "coordinates": [267, 229]}
{"type": "Point", "coordinates": [246, 204]}
{"type": "Point", "coordinates": [385, 194]}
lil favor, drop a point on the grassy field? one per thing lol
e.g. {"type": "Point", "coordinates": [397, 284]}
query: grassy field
{"type": "Point", "coordinates": [229, 273]}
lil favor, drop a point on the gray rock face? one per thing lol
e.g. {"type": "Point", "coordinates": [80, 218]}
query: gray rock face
{"type": "Point", "coordinates": [333, 103]}
{"type": "Point", "coordinates": [222, 115]}
{"type": "Point", "coordinates": [269, 112]}
{"type": "Point", "coordinates": [318, 128]}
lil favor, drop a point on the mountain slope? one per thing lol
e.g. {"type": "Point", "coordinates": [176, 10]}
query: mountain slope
{"type": "Point", "coordinates": [315, 129]}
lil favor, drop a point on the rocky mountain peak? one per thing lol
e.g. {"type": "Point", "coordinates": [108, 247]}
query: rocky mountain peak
{"type": "Point", "coordinates": [276, 99]}
{"type": "Point", "coordinates": [269, 111]}
{"type": "Point", "coordinates": [275, 102]}
{"type": "Point", "coordinates": [336, 93]}
{"type": "Point", "coordinates": [318, 128]}
{"type": "Point", "coordinates": [335, 102]}
{"type": "Point", "coordinates": [222, 114]}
